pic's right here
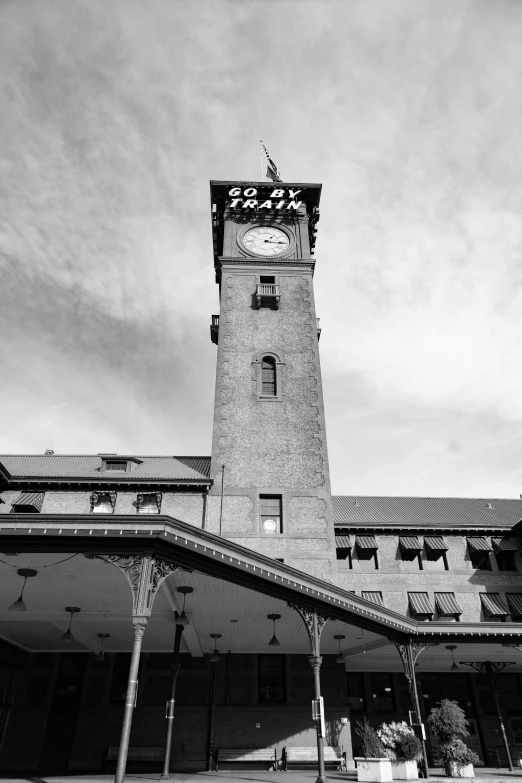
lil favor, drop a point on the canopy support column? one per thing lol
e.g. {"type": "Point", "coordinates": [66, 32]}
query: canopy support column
{"type": "Point", "coordinates": [144, 573]}
{"type": "Point", "coordinates": [409, 653]}
{"type": "Point", "coordinates": [170, 704]}
{"type": "Point", "coordinates": [315, 623]}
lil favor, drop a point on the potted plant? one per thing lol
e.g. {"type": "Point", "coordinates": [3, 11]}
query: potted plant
{"type": "Point", "coordinates": [449, 724]}
{"type": "Point", "coordinates": [403, 749]}
{"type": "Point", "coordinates": [373, 765]}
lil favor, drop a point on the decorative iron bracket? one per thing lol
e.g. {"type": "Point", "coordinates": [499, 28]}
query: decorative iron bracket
{"type": "Point", "coordinates": [144, 573]}
{"type": "Point", "coordinates": [312, 618]}
{"type": "Point", "coordinates": [482, 666]}
{"type": "Point", "coordinates": [514, 646]}
{"type": "Point", "coordinates": [416, 649]}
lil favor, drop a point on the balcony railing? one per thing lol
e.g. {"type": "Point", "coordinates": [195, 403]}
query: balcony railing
{"type": "Point", "coordinates": [214, 329]}
{"type": "Point", "coordinates": [318, 329]}
{"type": "Point", "coordinates": [267, 294]}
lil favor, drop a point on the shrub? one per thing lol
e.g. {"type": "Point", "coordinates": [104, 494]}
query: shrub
{"type": "Point", "coordinates": [371, 745]}
{"type": "Point", "coordinates": [390, 735]}
{"type": "Point", "coordinates": [408, 747]}
{"type": "Point", "coordinates": [448, 721]}
{"type": "Point", "coordinates": [456, 752]}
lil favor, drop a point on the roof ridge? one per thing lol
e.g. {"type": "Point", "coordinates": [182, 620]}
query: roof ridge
{"type": "Point", "coordinates": [421, 497]}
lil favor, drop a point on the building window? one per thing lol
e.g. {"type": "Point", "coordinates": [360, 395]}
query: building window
{"type": "Point", "coordinates": [268, 377]}
{"type": "Point", "coordinates": [436, 557]}
{"type": "Point", "coordinates": [493, 607]}
{"type": "Point", "coordinates": [269, 368]}
{"type": "Point", "coordinates": [382, 692]}
{"type": "Point", "coordinates": [479, 550]}
{"type": "Point", "coordinates": [343, 549]}
{"type": "Point", "coordinates": [355, 691]}
{"type": "Point", "coordinates": [270, 514]}
{"type": "Point", "coordinates": [505, 554]}
{"type": "Point", "coordinates": [28, 503]}
{"type": "Point", "coordinates": [420, 607]}
{"type": "Point", "coordinates": [149, 503]}
{"type": "Point", "coordinates": [267, 292]}
{"type": "Point", "coordinates": [447, 606]}
{"type": "Point", "coordinates": [271, 679]}
{"type": "Point", "coordinates": [366, 548]}
{"type": "Point", "coordinates": [103, 502]}
{"type": "Point", "coordinates": [515, 606]}
{"type": "Point", "coordinates": [410, 548]}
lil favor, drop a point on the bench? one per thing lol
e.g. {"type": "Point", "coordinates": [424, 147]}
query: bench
{"type": "Point", "coordinates": [301, 756]}
{"type": "Point", "coordinates": [240, 755]}
{"type": "Point", "coordinates": [151, 756]}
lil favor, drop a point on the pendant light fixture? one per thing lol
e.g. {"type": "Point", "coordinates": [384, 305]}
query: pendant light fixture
{"type": "Point", "coordinates": [19, 605]}
{"type": "Point", "coordinates": [214, 658]}
{"type": "Point", "coordinates": [68, 637]}
{"type": "Point", "coordinates": [274, 641]}
{"type": "Point", "coordinates": [339, 637]}
{"type": "Point", "coordinates": [101, 655]}
{"type": "Point", "coordinates": [183, 619]}
{"type": "Point", "coordinates": [451, 648]}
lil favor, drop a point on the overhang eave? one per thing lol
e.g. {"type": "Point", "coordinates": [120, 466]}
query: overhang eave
{"type": "Point", "coordinates": [196, 549]}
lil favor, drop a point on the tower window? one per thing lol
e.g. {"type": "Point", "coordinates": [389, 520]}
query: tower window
{"type": "Point", "coordinates": [268, 377]}
{"type": "Point", "coordinates": [270, 514]}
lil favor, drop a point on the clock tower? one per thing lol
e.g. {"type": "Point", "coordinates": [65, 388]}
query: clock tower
{"type": "Point", "coordinates": [270, 469]}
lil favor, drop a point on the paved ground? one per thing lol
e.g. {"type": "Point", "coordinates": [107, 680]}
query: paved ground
{"type": "Point", "coordinates": [483, 775]}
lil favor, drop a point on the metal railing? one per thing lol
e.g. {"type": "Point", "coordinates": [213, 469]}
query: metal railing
{"type": "Point", "coordinates": [267, 289]}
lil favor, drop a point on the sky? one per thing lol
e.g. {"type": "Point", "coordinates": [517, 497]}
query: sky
{"type": "Point", "coordinates": [113, 119]}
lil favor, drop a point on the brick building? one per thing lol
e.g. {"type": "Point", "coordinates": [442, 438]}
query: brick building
{"type": "Point", "coordinates": [244, 564]}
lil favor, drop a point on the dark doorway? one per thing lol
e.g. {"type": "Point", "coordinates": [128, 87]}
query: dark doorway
{"type": "Point", "coordinates": [63, 714]}
{"type": "Point", "coordinates": [7, 686]}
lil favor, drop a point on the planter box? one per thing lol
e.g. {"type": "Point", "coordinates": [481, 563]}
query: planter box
{"type": "Point", "coordinates": [465, 771]}
{"type": "Point", "coordinates": [374, 770]}
{"type": "Point", "coordinates": [404, 770]}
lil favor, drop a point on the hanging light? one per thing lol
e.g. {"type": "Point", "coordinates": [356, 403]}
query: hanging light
{"type": "Point", "coordinates": [68, 637]}
{"type": "Point", "coordinates": [340, 657]}
{"type": "Point", "coordinates": [101, 655]}
{"type": "Point", "coordinates": [214, 658]}
{"type": "Point", "coordinates": [19, 605]}
{"type": "Point", "coordinates": [454, 666]}
{"type": "Point", "coordinates": [274, 641]}
{"type": "Point", "coordinates": [182, 619]}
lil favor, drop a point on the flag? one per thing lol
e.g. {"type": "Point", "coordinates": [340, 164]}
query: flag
{"type": "Point", "coordinates": [272, 171]}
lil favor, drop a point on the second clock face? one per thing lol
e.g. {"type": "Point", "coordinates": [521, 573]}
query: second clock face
{"type": "Point", "coordinates": [265, 241]}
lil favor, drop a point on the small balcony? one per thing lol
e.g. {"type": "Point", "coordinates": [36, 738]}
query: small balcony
{"type": "Point", "coordinates": [267, 295]}
{"type": "Point", "coordinates": [214, 329]}
{"type": "Point", "coordinates": [318, 329]}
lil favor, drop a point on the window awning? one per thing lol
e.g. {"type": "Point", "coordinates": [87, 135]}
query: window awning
{"type": "Point", "coordinates": [492, 605]}
{"type": "Point", "coordinates": [343, 542]}
{"type": "Point", "coordinates": [515, 604]}
{"type": "Point", "coordinates": [503, 545]}
{"type": "Point", "coordinates": [33, 499]}
{"type": "Point", "coordinates": [420, 603]}
{"type": "Point", "coordinates": [366, 542]}
{"type": "Point", "coordinates": [478, 544]}
{"type": "Point", "coordinates": [410, 543]}
{"type": "Point", "coordinates": [373, 596]}
{"type": "Point", "coordinates": [435, 544]}
{"type": "Point", "coordinates": [446, 604]}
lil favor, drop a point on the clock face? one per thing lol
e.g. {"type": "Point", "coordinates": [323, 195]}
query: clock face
{"type": "Point", "coordinates": [269, 526]}
{"type": "Point", "coordinates": [265, 241]}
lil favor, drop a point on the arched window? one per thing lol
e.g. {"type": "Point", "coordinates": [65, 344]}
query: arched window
{"type": "Point", "coordinates": [268, 377]}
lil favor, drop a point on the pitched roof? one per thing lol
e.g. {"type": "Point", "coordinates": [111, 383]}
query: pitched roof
{"type": "Point", "coordinates": [81, 466]}
{"type": "Point", "coordinates": [411, 512]}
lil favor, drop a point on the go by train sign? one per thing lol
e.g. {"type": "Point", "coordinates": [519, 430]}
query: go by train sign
{"type": "Point", "coordinates": [275, 198]}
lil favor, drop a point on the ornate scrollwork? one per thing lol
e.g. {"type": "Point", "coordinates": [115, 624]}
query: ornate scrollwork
{"type": "Point", "coordinates": [416, 649]}
{"type": "Point", "coordinates": [144, 574]}
{"type": "Point", "coordinates": [307, 616]}
{"type": "Point", "coordinates": [484, 667]}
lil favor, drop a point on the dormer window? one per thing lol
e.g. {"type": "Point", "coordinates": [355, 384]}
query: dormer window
{"type": "Point", "coordinates": [112, 464]}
